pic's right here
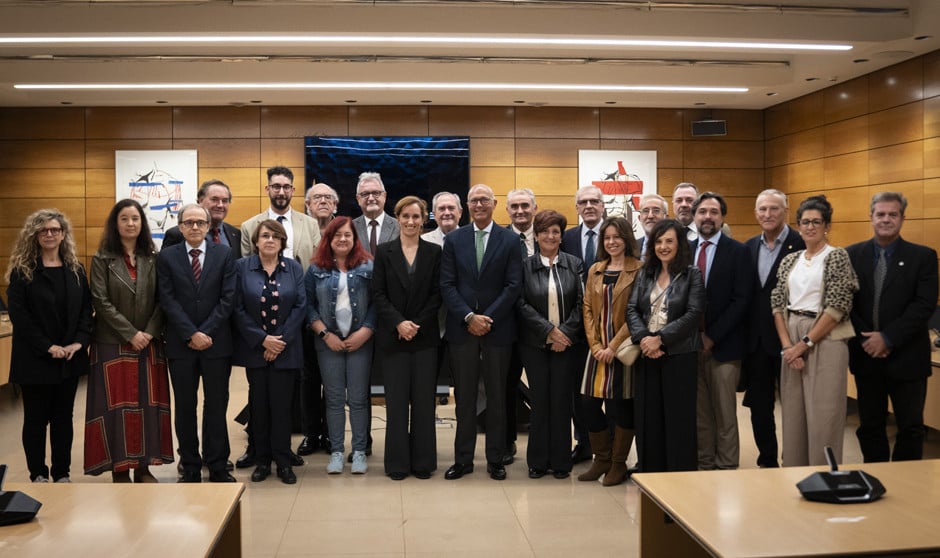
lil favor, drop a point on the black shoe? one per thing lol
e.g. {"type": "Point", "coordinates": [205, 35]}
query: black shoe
{"type": "Point", "coordinates": [190, 476]}
{"type": "Point", "coordinates": [561, 474]}
{"type": "Point", "coordinates": [307, 446]}
{"type": "Point", "coordinates": [458, 470]}
{"type": "Point", "coordinates": [397, 476]}
{"type": "Point", "coordinates": [325, 444]}
{"type": "Point", "coordinates": [221, 476]}
{"type": "Point", "coordinates": [260, 473]}
{"type": "Point", "coordinates": [496, 471]}
{"type": "Point", "coordinates": [229, 466]}
{"type": "Point", "coordinates": [286, 474]}
{"type": "Point", "coordinates": [507, 459]}
{"type": "Point", "coordinates": [296, 460]}
{"type": "Point", "coordinates": [536, 473]}
{"type": "Point", "coordinates": [580, 454]}
{"type": "Point", "coordinates": [247, 459]}
{"type": "Point", "coordinates": [423, 475]}
{"type": "Point", "coordinates": [511, 450]}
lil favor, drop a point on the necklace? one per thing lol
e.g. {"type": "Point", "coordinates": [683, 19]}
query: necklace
{"type": "Point", "coordinates": [809, 258]}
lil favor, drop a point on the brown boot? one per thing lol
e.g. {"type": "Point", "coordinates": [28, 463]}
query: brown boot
{"type": "Point", "coordinates": [600, 445]}
{"type": "Point", "coordinates": [143, 474]}
{"type": "Point", "coordinates": [120, 477]}
{"type": "Point", "coordinates": [623, 439]}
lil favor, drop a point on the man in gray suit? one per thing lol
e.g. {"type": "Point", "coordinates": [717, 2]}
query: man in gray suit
{"type": "Point", "coordinates": [374, 225]}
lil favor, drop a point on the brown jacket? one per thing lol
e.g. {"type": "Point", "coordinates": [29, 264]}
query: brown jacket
{"type": "Point", "coordinates": [123, 307]}
{"type": "Point", "coordinates": [594, 303]}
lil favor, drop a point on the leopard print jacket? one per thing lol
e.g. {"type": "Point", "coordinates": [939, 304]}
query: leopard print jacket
{"type": "Point", "coordinates": [839, 284]}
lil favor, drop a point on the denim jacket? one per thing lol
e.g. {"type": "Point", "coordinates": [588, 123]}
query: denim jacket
{"type": "Point", "coordinates": [322, 286]}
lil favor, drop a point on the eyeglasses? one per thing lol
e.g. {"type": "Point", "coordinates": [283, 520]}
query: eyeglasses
{"type": "Point", "coordinates": [589, 201]}
{"type": "Point", "coordinates": [49, 231]}
{"type": "Point", "coordinates": [812, 223]}
{"type": "Point", "coordinates": [480, 201]}
{"type": "Point", "coordinates": [651, 211]}
{"type": "Point", "coordinates": [194, 224]}
{"type": "Point", "coordinates": [281, 187]}
{"type": "Point", "coordinates": [269, 236]}
{"type": "Point", "coordinates": [370, 194]}
{"type": "Point", "coordinates": [321, 197]}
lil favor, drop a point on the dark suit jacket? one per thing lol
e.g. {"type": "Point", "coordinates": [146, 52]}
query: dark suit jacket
{"type": "Point", "coordinates": [535, 243]}
{"type": "Point", "coordinates": [173, 236]}
{"type": "Point", "coordinates": [762, 333]}
{"type": "Point", "coordinates": [571, 244]}
{"type": "Point", "coordinates": [728, 292]}
{"type": "Point", "coordinates": [492, 290]}
{"type": "Point", "coordinates": [908, 299]}
{"type": "Point", "coordinates": [291, 313]}
{"type": "Point", "coordinates": [191, 307]}
{"type": "Point", "coordinates": [36, 326]}
{"type": "Point", "coordinates": [399, 297]}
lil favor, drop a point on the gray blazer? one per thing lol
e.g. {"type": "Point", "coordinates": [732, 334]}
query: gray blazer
{"type": "Point", "coordinates": [388, 231]}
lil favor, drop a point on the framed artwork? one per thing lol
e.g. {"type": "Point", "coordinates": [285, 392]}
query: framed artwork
{"type": "Point", "coordinates": [623, 177]}
{"type": "Point", "coordinates": [161, 181]}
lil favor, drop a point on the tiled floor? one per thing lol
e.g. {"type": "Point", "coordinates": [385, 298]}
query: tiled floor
{"type": "Point", "coordinates": [371, 515]}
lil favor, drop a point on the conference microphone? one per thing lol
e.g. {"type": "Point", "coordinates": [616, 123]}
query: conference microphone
{"type": "Point", "coordinates": [15, 507]}
{"type": "Point", "coordinates": [840, 487]}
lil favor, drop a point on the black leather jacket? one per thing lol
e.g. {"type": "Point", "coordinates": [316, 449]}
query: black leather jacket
{"type": "Point", "coordinates": [532, 306]}
{"type": "Point", "coordinates": [685, 303]}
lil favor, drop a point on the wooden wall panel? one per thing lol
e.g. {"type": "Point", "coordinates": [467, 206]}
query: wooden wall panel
{"type": "Point", "coordinates": [723, 154]}
{"type": "Point", "coordinates": [932, 157]}
{"type": "Point", "coordinates": [502, 179]}
{"type": "Point", "coordinates": [99, 154]}
{"type": "Point", "coordinates": [896, 125]}
{"type": "Point", "coordinates": [129, 123]}
{"type": "Point", "coordinates": [846, 100]}
{"type": "Point", "coordinates": [740, 211]}
{"type": "Point", "coordinates": [776, 151]}
{"type": "Point", "coordinates": [805, 145]}
{"type": "Point", "coordinates": [99, 183]}
{"type": "Point", "coordinates": [40, 154]}
{"type": "Point", "coordinates": [846, 170]}
{"type": "Point", "coordinates": [43, 183]}
{"type": "Point", "coordinates": [932, 117]}
{"type": "Point", "coordinates": [243, 182]}
{"type": "Point", "coordinates": [297, 122]}
{"type": "Point", "coordinates": [551, 152]}
{"type": "Point", "coordinates": [846, 136]}
{"type": "Point", "coordinates": [727, 182]}
{"type": "Point", "coordinates": [216, 122]}
{"type": "Point", "coordinates": [807, 112]}
{"type": "Point", "coordinates": [806, 176]}
{"type": "Point", "coordinates": [896, 85]}
{"type": "Point", "coordinates": [668, 152]}
{"type": "Point", "coordinates": [932, 74]}
{"type": "Point", "coordinates": [548, 181]}
{"type": "Point", "coordinates": [217, 152]}
{"type": "Point", "coordinates": [849, 204]}
{"type": "Point", "coordinates": [666, 180]}
{"type": "Point", "coordinates": [932, 198]}
{"type": "Point", "coordinates": [96, 213]}
{"type": "Point", "coordinates": [932, 234]}
{"type": "Point", "coordinates": [896, 163]}
{"type": "Point", "coordinates": [288, 152]}
{"type": "Point", "coordinates": [777, 177]}
{"type": "Point", "coordinates": [42, 123]}
{"type": "Point", "coordinates": [557, 122]}
{"type": "Point", "coordinates": [484, 122]}
{"type": "Point", "coordinates": [388, 121]}
{"type": "Point", "coordinates": [493, 152]}
{"type": "Point", "coordinates": [13, 213]}
{"type": "Point", "coordinates": [843, 234]}
{"type": "Point", "coordinates": [635, 123]}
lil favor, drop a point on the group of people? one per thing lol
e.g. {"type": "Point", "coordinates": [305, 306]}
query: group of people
{"type": "Point", "coordinates": [629, 339]}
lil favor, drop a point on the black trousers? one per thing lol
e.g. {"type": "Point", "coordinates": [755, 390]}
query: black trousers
{"type": "Point", "coordinates": [907, 401]}
{"type": "Point", "coordinates": [185, 374]}
{"type": "Point", "coordinates": [48, 406]}
{"type": "Point", "coordinates": [410, 384]}
{"type": "Point", "coordinates": [601, 414]}
{"type": "Point", "coordinates": [473, 360]}
{"type": "Point", "coordinates": [762, 372]}
{"type": "Point", "coordinates": [549, 375]}
{"type": "Point", "coordinates": [665, 398]}
{"type": "Point", "coordinates": [513, 377]}
{"type": "Point", "coordinates": [273, 392]}
{"type": "Point", "coordinates": [312, 408]}
{"type": "Point", "coordinates": [578, 412]}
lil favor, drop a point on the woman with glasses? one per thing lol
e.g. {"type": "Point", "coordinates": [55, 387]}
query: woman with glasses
{"type": "Point", "coordinates": [50, 308]}
{"type": "Point", "coordinates": [127, 409]}
{"type": "Point", "coordinates": [341, 313]}
{"type": "Point", "coordinates": [269, 310]}
{"type": "Point", "coordinates": [811, 305]}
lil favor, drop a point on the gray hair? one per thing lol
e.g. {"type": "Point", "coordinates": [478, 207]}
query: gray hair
{"type": "Point", "coordinates": [438, 195]}
{"type": "Point", "coordinates": [774, 192]}
{"type": "Point", "coordinates": [330, 188]}
{"type": "Point", "coordinates": [586, 189]}
{"type": "Point", "coordinates": [647, 197]}
{"type": "Point", "coordinates": [888, 197]}
{"type": "Point", "coordinates": [194, 206]}
{"type": "Point", "coordinates": [685, 185]}
{"type": "Point", "coordinates": [370, 177]}
{"type": "Point", "coordinates": [526, 191]}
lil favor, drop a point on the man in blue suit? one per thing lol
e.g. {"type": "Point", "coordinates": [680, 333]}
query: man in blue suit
{"type": "Point", "coordinates": [729, 283]}
{"type": "Point", "coordinates": [197, 289]}
{"type": "Point", "coordinates": [481, 279]}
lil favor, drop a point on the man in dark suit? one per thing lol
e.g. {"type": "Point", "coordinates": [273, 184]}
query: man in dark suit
{"type": "Point", "coordinates": [196, 280]}
{"type": "Point", "coordinates": [729, 282]}
{"type": "Point", "coordinates": [481, 278]}
{"type": "Point", "coordinates": [890, 354]}
{"type": "Point", "coordinates": [653, 209]}
{"type": "Point", "coordinates": [761, 366]}
{"type": "Point", "coordinates": [374, 226]}
{"type": "Point", "coordinates": [216, 197]}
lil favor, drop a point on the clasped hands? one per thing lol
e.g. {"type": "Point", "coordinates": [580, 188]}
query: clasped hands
{"type": "Point", "coordinates": [66, 352]}
{"type": "Point", "coordinates": [479, 325]}
{"type": "Point", "coordinates": [273, 346]}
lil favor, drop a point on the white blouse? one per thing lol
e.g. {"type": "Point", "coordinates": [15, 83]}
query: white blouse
{"type": "Point", "coordinates": [806, 281]}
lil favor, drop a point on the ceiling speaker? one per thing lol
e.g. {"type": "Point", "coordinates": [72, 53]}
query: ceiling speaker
{"type": "Point", "coordinates": [709, 128]}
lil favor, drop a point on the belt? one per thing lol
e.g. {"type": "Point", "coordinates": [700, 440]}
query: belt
{"type": "Point", "coordinates": [807, 313]}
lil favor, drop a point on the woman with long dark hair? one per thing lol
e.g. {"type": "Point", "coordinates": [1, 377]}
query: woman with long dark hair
{"type": "Point", "coordinates": [50, 308]}
{"type": "Point", "coordinates": [127, 409]}
{"type": "Point", "coordinates": [664, 314]}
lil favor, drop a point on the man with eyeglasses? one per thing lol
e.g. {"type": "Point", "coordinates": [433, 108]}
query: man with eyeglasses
{"type": "Point", "coordinates": [374, 226]}
{"type": "Point", "coordinates": [653, 209]}
{"type": "Point", "coordinates": [216, 197]}
{"type": "Point", "coordinates": [320, 203]}
{"type": "Point", "coordinates": [303, 236]}
{"type": "Point", "coordinates": [581, 241]}
{"type": "Point", "coordinates": [481, 279]}
{"type": "Point", "coordinates": [683, 196]}
{"type": "Point", "coordinates": [196, 282]}
{"type": "Point", "coordinates": [447, 212]}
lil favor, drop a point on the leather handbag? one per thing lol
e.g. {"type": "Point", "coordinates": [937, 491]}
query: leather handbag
{"type": "Point", "coordinates": [627, 352]}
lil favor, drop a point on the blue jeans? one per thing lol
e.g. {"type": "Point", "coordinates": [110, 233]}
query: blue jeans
{"type": "Point", "coordinates": [346, 381]}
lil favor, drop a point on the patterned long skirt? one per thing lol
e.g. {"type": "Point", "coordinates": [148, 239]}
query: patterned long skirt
{"type": "Point", "coordinates": [127, 413]}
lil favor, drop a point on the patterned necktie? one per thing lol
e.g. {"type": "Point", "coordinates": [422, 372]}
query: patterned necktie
{"type": "Point", "coordinates": [216, 237]}
{"type": "Point", "coordinates": [881, 269]}
{"type": "Point", "coordinates": [590, 250]}
{"type": "Point", "coordinates": [702, 262]}
{"type": "Point", "coordinates": [525, 247]}
{"type": "Point", "coordinates": [373, 225]}
{"type": "Point", "coordinates": [481, 247]}
{"type": "Point", "coordinates": [197, 268]}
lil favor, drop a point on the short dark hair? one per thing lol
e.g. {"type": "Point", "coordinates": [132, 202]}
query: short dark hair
{"type": "Point", "coordinates": [624, 231]}
{"type": "Point", "coordinates": [820, 204]}
{"type": "Point", "coordinates": [683, 257]}
{"type": "Point", "coordinates": [547, 218]}
{"type": "Point", "coordinates": [710, 196]}
{"type": "Point", "coordinates": [283, 171]}
{"type": "Point", "coordinates": [204, 188]}
{"type": "Point", "coordinates": [888, 197]}
{"type": "Point", "coordinates": [272, 225]}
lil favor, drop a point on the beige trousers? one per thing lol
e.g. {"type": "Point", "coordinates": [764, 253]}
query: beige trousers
{"type": "Point", "coordinates": [716, 414]}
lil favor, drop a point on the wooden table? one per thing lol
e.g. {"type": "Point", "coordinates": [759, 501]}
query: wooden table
{"type": "Point", "coordinates": [133, 520]}
{"type": "Point", "coordinates": [760, 513]}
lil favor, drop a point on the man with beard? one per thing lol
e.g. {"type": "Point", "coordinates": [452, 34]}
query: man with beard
{"type": "Point", "coordinates": [303, 236]}
{"type": "Point", "coordinates": [728, 276]}
{"type": "Point", "coordinates": [683, 196]}
{"type": "Point", "coordinates": [374, 225]}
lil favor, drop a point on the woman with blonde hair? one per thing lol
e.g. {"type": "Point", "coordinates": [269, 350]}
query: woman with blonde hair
{"type": "Point", "coordinates": [50, 308]}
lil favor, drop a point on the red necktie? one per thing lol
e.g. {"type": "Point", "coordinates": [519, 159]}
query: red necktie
{"type": "Point", "coordinates": [215, 235]}
{"type": "Point", "coordinates": [702, 262]}
{"type": "Point", "coordinates": [197, 268]}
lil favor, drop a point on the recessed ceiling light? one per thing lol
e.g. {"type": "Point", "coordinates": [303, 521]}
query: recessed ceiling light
{"type": "Point", "coordinates": [257, 101]}
{"type": "Point", "coordinates": [860, 60]}
{"type": "Point", "coordinates": [519, 102]}
{"type": "Point", "coordinates": [65, 102]}
{"type": "Point", "coordinates": [161, 102]}
{"type": "Point", "coordinates": [812, 79]}
{"type": "Point", "coordinates": [610, 102]}
{"type": "Point", "coordinates": [923, 37]}
{"type": "Point", "coordinates": [771, 93]}
{"type": "Point", "coordinates": [700, 104]}
{"type": "Point", "coordinates": [350, 101]}
{"type": "Point", "coordinates": [425, 101]}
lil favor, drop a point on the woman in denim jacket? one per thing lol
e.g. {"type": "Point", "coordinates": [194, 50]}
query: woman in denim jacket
{"type": "Point", "coordinates": [341, 313]}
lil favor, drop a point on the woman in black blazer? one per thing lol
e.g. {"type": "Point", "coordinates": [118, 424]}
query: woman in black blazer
{"type": "Point", "coordinates": [664, 312]}
{"type": "Point", "coordinates": [270, 309]}
{"type": "Point", "coordinates": [550, 323]}
{"type": "Point", "coordinates": [406, 290]}
{"type": "Point", "coordinates": [50, 308]}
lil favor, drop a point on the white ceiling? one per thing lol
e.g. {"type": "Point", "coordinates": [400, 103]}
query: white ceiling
{"type": "Point", "coordinates": [883, 36]}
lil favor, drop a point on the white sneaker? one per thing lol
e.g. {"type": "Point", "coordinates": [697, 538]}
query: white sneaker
{"type": "Point", "coordinates": [335, 466]}
{"type": "Point", "coordinates": [359, 465]}
{"type": "Point", "coordinates": [64, 480]}
{"type": "Point", "coordinates": [40, 478]}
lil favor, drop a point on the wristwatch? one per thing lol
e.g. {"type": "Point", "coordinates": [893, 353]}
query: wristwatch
{"type": "Point", "coordinates": [322, 333]}
{"type": "Point", "coordinates": [807, 341]}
